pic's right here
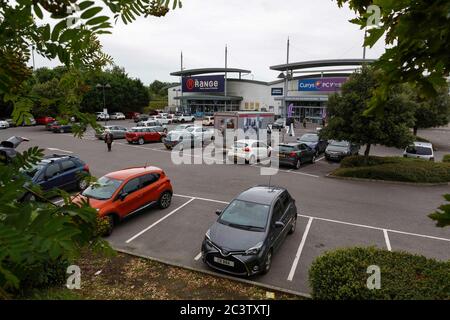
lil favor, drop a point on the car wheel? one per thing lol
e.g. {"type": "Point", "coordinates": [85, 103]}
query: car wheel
{"type": "Point", "coordinates": [313, 159]}
{"type": "Point", "coordinates": [252, 160]}
{"type": "Point", "coordinates": [298, 164]}
{"type": "Point", "coordinates": [168, 147]}
{"type": "Point", "coordinates": [294, 224]}
{"type": "Point", "coordinates": [165, 200]}
{"type": "Point", "coordinates": [82, 184]}
{"type": "Point", "coordinates": [141, 141]}
{"type": "Point", "coordinates": [267, 262]}
{"type": "Point", "coordinates": [165, 130]}
{"type": "Point", "coordinates": [182, 121]}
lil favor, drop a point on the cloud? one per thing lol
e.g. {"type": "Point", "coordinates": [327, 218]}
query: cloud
{"type": "Point", "coordinates": [254, 30]}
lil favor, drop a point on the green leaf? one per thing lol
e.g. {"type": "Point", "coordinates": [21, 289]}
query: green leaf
{"type": "Point", "coordinates": [38, 11]}
{"type": "Point", "coordinates": [58, 28]}
{"type": "Point", "coordinates": [85, 4]}
{"type": "Point", "coordinates": [91, 12]}
{"type": "Point", "coordinates": [97, 20]}
{"type": "Point", "coordinates": [46, 32]}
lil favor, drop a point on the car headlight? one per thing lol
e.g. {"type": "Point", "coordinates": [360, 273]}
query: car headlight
{"type": "Point", "coordinates": [254, 250]}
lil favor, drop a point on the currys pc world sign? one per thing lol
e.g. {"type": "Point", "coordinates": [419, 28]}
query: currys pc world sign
{"type": "Point", "coordinates": [204, 84]}
{"type": "Point", "coordinates": [321, 84]}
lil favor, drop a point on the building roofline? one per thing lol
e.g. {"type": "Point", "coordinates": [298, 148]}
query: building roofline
{"type": "Point", "coordinates": [321, 63]}
{"type": "Point", "coordinates": [191, 72]}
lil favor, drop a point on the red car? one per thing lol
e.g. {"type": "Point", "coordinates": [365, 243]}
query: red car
{"type": "Point", "coordinates": [131, 115]}
{"type": "Point", "coordinates": [44, 120]}
{"type": "Point", "coordinates": [122, 193]}
{"type": "Point", "coordinates": [141, 135]}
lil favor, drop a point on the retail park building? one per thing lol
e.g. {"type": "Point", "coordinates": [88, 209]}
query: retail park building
{"type": "Point", "coordinates": [301, 90]}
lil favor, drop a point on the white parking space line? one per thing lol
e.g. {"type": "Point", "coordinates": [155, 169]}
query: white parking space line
{"type": "Point", "coordinates": [160, 220]}
{"type": "Point", "coordinates": [61, 150]}
{"type": "Point", "coordinates": [299, 251]}
{"type": "Point", "coordinates": [376, 228]}
{"type": "Point", "coordinates": [197, 257]}
{"type": "Point", "coordinates": [386, 238]}
{"type": "Point", "coordinates": [301, 173]}
{"type": "Point", "coordinates": [320, 159]}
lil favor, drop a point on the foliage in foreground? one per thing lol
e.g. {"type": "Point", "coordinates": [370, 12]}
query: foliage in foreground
{"type": "Point", "coordinates": [394, 169]}
{"type": "Point", "coordinates": [417, 34]}
{"type": "Point", "coordinates": [342, 274]}
{"type": "Point", "coordinates": [38, 240]}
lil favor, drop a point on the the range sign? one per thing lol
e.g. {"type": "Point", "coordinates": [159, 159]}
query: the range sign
{"type": "Point", "coordinates": [321, 84]}
{"type": "Point", "coordinates": [204, 84]}
{"type": "Point", "coordinates": [277, 91]}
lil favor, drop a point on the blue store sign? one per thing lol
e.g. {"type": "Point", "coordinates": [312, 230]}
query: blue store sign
{"type": "Point", "coordinates": [204, 84]}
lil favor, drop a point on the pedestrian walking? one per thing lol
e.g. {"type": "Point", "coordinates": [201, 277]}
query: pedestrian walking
{"type": "Point", "coordinates": [304, 122]}
{"type": "Point", "coordinates": [109, 138]}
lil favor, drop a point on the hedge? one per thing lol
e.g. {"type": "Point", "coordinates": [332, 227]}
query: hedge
{"type": "Point", "coordinates": [342, 274]}
{"type": "Point", "coordinates": [446, 158]}
{"type": "Point", "coordinates": [394, 169]}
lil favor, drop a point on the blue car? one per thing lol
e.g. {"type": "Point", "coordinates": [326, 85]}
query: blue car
{"type": "Point", "coordinates": [58, 171]}
{"type": "Point", "coordinates": [313, 141]}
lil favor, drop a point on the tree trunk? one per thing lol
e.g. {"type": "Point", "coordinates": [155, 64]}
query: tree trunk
{"type": "Point", "coordinates": [366, 153]}
{"type": "Point", "coordinates": [415, 131]}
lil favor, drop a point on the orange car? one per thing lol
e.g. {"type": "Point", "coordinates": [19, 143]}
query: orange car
{"type": "Point", "coordinates": [122, 193]}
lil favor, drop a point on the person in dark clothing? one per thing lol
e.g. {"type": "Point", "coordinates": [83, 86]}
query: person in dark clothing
{"type": "Point", "coordinates": [304, 122]}
{"type": "Point", "coordinates": [109, 138]}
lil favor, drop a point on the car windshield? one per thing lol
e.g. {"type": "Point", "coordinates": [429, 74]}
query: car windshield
{"type": "Point", "coordinates": [244, 214]}
{"type": "Point", "coordinates": [31, 172]}
{"type": "Point", "coordinates": [339, 143]}
{"type": "Point", "coordinates": [421, 151]}
{"type": "Point", "coordinates": [240, 145]}
{"type": "Point", "coordinates": [190, 129]}
{"type": "Point", "coordinates": [103, 189]}
{"type": "Point", "coordinates": [309, 138]}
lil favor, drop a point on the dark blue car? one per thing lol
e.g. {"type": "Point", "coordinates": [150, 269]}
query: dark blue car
{"type": "Point", "coordinates": [58, 171]}
{"type": "Point", "coordinates": [313, 141]}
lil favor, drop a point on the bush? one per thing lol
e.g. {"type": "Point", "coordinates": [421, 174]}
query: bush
{"type": "Point", "coordinates": [394, 169]}
{"type": "Point", "coordinates": [446, 158]}
{"type": "Point", "coordinates": [342, 274]}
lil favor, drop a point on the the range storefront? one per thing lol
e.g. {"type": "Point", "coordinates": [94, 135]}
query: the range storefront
{"type": "Point", "coordinates": [205, 91]}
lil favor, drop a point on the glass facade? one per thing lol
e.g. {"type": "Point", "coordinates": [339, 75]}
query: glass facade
{"type": "Point", "coordinates": [208, 107]}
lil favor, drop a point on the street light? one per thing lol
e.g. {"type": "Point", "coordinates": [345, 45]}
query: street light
{"type": "Point", "coordinates": [104, 86]}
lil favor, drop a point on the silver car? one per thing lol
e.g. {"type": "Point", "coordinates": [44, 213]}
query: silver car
{"type": "Point", "coordinates": [420, 150]}
{"type": "Point", "coordinates": [118, 132]}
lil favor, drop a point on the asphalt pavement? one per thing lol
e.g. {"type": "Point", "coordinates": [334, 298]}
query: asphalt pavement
{"type": "Point", "coordinates": [333, 213]}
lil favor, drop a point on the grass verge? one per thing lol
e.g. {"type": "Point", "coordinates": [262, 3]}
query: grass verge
{"type": "Point", "coordinates": [126, 277]}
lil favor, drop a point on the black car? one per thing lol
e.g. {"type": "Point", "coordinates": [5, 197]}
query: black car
{"type": "Point", "coordinates": [313, 141]}
{"type": "Point", "coordinates": [249, 231]}
{"type": "Point", "coordinates": [62, 128]}
{"type": "Point", "coordinates": [8, 148]}
{"type": "Point", "coordinates": [295, 154]}
{"type": "Point", "coordinates": [279, 124]}
{"type": "Point", "coordinates": [141, 117]}
{"type": "Point", "coordinates": [338, 150]}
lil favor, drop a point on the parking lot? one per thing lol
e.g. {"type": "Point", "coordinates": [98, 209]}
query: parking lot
{"type": "Point", "coordinates": [332, 213]}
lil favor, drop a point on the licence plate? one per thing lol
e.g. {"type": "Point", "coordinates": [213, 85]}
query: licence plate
{"type": "Point", "coordinates": [224, 262]}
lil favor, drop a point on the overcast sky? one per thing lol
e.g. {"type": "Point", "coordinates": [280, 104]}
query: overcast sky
{"type": "Point", "coordinates": [254, 30]}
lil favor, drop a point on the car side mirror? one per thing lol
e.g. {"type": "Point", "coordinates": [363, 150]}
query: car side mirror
{"type": "Point", "coordinates": [218, 212]}
{"type": "Point", "coordinates": [123, 196]}
{"type": "Point", "coordinates": [279, 224]}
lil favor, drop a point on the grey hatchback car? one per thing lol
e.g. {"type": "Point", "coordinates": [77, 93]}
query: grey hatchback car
{"type": "Point", "coordinates": [249, 231]}
{"type": "Point", "coordinates": [118, 132]}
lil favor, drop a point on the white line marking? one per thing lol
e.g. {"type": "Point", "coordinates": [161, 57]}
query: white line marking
{"type": "Point", "coordinates": [386, 238]}
{"type": "Point", "coordinates": [197, 257]}
{"type": "Point", "coordinates": [320, 159]}
{"type": "Point", "coordinates": [160, 220]}
{"type": "Point", "coordinates": [299, 251]}
{"type": "Point", "coordinates": [301, 173]}
{"type": "Point", "coordinates": [202, 199]}
{"type": "Point", "coordinates": [56, 149]}
{"type": "Point", "coordinates": [376, 228]}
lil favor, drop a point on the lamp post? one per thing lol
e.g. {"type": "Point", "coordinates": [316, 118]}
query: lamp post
{"type": "Point", "coordinates": [178, 102]}
{"type": "Point", "coordinates": [103, 87]}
